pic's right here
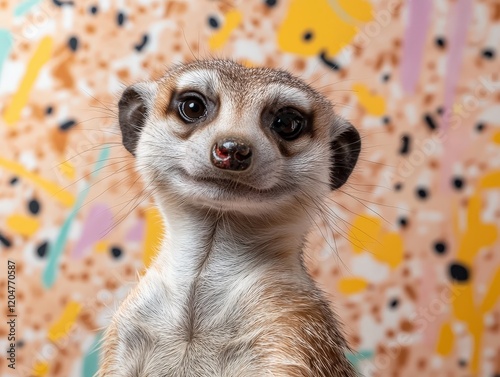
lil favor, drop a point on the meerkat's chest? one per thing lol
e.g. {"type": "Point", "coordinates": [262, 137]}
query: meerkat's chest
{"type": "Point", "coordinates": [204, 330]}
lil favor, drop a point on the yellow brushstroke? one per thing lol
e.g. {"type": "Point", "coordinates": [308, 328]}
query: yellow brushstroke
{"type": "Point", "coordinates": [476, 328]}
{"type": "Point", "coordinates": [367, 234]}
{"type": "Point", "coordinates": [373, 104]}
{"type": "Point", "coordinates": [474, 238]}
{"type": "Point", "coordinates": [247, 63]}
{"type": "Point", "coordinates": [101, 246]}
{"type": "Point", "coordinates": [496, 137]}
{"type": "Point", "coordinates": [463, 306]}
{"type": "Point", "coordinates": [332, 24]}
{"type": "Point", "coordinates": [491, 180]}
{"type": "Point", "coordinates": [391, 250]}
{"type": "Point", "coordinates": [219, 39]}
{"type": "Point", "coordinates": [40, 57]}
{"type": "Point", "coordinates": [152, 239]}
{"type": "Point", "coordinates": [358, 9]}
{"type": "Point", "coordinates": [445, 340]}
{"type": "Point", "coordinates": [22, 224]}
{"type": "Point", "coordinates": [363, 232]}
{"type": "Point", "coordinates": [67, 169]}
{"type": "Point", "coordinates": [351, 286]}
{"type": "Point", "coordinates": [492, 295]}
{"type": "Point", "coordinates": [40, 369]}
{"type": "Point", "coordinates": [58, 192]}
{"type": "Point", "coordinates": [478, 234]}
{"type": "Point", "coordinates": [64, 324]}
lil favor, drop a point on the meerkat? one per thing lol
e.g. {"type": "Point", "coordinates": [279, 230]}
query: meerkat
{"type": "Point", "coordinates": [234, 157]}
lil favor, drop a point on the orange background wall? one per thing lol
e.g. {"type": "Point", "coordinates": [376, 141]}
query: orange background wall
{"type": "Point", "coordinates": [409, 251]}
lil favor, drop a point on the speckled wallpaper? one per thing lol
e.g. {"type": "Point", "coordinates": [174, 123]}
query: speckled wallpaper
{"type": "Point", "coordinates": [409, 253]}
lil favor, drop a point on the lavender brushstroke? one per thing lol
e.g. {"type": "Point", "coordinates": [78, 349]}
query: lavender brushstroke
{"type": "Point", "coordinates": [461, 19]}
{"type": "Point", "coordinates": [414, 41]}
{"type": "Point", "coordinates": [99, 220]}
{"type": "Point", "coordinates": [136, 232]}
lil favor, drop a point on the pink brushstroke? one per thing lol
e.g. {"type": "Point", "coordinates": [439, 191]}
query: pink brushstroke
{"type": "Point", "coordinates": [136, 232]}
{"type": "Point", "coordinates": [454, 144]}
{"type": "Point", "coordinates": [97, 223]}
{"type": "Point", "coordinates": [414, 41]}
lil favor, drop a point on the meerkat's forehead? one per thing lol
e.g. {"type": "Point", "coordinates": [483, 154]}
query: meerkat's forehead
{"type": "Point", "coordinates": [221, 76]}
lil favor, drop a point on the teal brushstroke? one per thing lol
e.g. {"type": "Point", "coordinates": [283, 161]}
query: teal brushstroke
{"type": "Point", "coordinates": [91, 359]}
{"type": "Point", "coordinates": [25, 6]}
{"type": "Point", "coordinates": [356, 357]}
{"type": "Point", "coordinates": [56, 250]}
{"type": "Point", "coordinates": [5, 46]}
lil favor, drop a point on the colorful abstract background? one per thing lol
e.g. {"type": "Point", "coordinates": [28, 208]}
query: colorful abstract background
{"type": "Point", "coordinates": [409, 251]}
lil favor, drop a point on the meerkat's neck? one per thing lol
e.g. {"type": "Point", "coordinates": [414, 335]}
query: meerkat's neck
{"type": "Point", "coordinates": [224, 248]}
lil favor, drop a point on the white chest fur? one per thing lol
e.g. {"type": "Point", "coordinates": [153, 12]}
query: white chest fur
{"type": "Point", "coordinates": [204, 302]}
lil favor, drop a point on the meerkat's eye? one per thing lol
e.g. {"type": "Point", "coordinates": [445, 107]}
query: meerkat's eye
{"type": "Point", "coordinates": [288, 124]}
{"type": "Point", "coordinates": [192, 108]}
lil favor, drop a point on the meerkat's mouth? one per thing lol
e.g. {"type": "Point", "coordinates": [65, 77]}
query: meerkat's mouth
{"type": "Point", "coordinates": [227, 187]}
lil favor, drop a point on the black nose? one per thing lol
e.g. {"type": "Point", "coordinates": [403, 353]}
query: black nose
{"type": "Point", "coordinates": [232, 154]}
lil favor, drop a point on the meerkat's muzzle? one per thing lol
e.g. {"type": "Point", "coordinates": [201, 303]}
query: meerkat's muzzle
{"type": "Point", "coordinates": [232, 154]}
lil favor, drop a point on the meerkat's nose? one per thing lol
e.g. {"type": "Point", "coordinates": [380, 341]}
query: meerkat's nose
{"type": "Point", "coordinates": [232, 154]}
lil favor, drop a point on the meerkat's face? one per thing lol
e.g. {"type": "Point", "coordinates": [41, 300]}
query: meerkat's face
{"type": "Point", "coordinates": [217, 134]}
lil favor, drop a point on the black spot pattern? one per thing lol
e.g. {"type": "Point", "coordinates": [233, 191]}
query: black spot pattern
{"type": "Point", "coordinates": [14, 180]}
{"type": "Point", "coordinates": [398, 186]}
{"type": "Point", "coordinates": [34, 206]}
{"type": "Point", "coordinates": [144, 42]}
{"type": "Point", "coordinates": [67, 125]}
{"type": "Point", "coordinates": [386, 120]}
{"type": "Point", "coordinates": [394, 303]}
{"type": "Point", "coordinates": [422, 193]}
{"type": "Point", "coordinates": [403, 222]}
{"type": "Point", "coordinates": [5, 241]}
{"type": "Point", "coordinates": [458, 183]}
{"type": "Point", "coordinates": [93, 9]}
{"type": "Point", "coordinates": [213, 23]}
{"type": "Point", "coordinates": [489, 53]}
{"type": "Point", "coordinates": [386, 77]}
{"type": "Point", "coordinates": [459, 272]}
{"type": "Point", "coordinates": [480, 127]}
{"type": "Point", "coordinates": [59, 3]}
{"type": "Point", "coordinates": [271, 3]}
{"type": "Point", "coordinates": [49, 110]}
{"type": "Point", "coordinates": [120, 19]}
{"type": "Point", "coordinates": [73, 43]}
{"type": "Point", "coordinates": [440, 247]}
{"type": "Point", "coordinates": [329, 63]}
{"type": "Point", "coordinates": [116, 252]}
{"type": "Point", "coordinates": [430, 121]}
{"type": "Point", "coordinates": [41, 250]}
{"type": "Point", "coordinates": [308, 36]}
{"type": "Point", "coordinates": [440, 42]}
{"type": "Point", "coordinates": [405, 144]}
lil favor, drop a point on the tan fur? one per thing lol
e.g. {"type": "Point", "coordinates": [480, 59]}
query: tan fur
{"type": "Point", "coordinates": [228, 294]}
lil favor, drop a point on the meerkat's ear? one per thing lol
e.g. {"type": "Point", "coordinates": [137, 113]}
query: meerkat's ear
{"type": "Point", "coordinates": [345, 146]}
{"type": "Point", "coordinates": [133, 110]}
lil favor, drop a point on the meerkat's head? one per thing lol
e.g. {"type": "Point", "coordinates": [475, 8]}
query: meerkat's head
{"type": "Point", "coordinates": [214, 133]}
